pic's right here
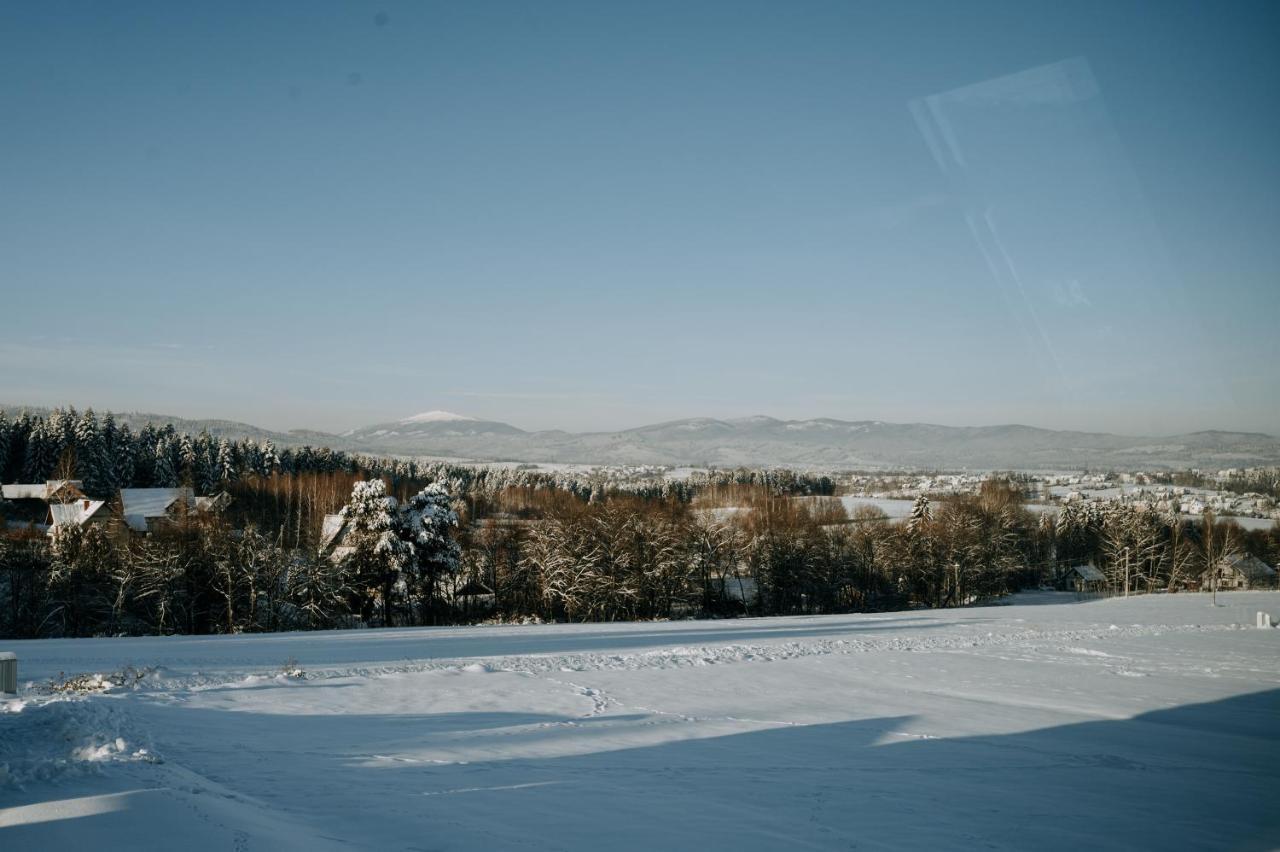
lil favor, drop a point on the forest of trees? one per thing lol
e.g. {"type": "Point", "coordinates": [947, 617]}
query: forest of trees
{"type": "Point", "coordinates": [525, 544]}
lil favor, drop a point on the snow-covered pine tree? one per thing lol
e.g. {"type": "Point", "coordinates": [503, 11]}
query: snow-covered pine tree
{"type": "Point", "coordinates": [189, 458]}
{"type": "Point", "coordinates": [205, 476]}
{"type": "Point", "coordinates": [225, 463]}
{"type": "Point", "coordinates": [269, 459]}
{"type": "Point", "coordinates": [124, 454]}
{"type": "Point", "coordinates": [144, 457]}
{"type": "Point", "coordinates": [110, 446]}
{"type": "Point", "coordinates": [165, 473]}
{"type": "Point", "coordinates": [379, 553]}
{"type": "Point", "coordinates": [60, 428]}
{"type": "Point", "coordinates": [40, 455]}
{"type": "Point", "coordinates": [11, 465]}
{"type": "Point", "coordinates": [90, 454]}
{"type": "Point", "coordinates": [428, 522]}
{"type": "Point", "coordinates": [250, 453]}
{"type": "Point", "coordinates": [921, 514]}
{"type": "Point", "coordinates": [5, 439]}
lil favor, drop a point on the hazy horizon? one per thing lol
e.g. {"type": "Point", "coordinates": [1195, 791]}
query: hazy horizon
{"type": "Point", "coordinates": [12, 407]}
{"type": "Point", "coordinates": [586, 218]}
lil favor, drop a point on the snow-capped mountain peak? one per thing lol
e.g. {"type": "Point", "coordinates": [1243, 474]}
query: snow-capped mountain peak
{"type": "Point", "coordinates": [435, 417]}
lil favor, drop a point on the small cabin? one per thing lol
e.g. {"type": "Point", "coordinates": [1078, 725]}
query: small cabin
{"type": "Point", "coordinates": [475, 596]}
{"type": "Point", "coordinates": [1082, 578]}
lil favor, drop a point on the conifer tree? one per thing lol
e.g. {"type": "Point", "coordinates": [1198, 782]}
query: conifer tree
{"type": "Point", "coordinates": [189, 459]}
{"type": "Point", "coordinates": [40, 455]}
{"type": "Point", "coordinates": [225, 466]}
{"type": "Point", "coordinates": [920, 514]}
{"type": "Point", "coordinates": [90, 453]}
{"type": "Point", "coordinates": [379, 554]}
{"type": "Point", "coordinates": [270, 459]}
{"type": "Point", "coordinates": [206, 464]}
{"type": "Point", "coordinates": [165, 473]}
{"type": "Point", "coordinates": [5, 430]}
{"type": "Point", "coordinates": [144, 457]}
{"type": "Point", "coordinates": [123, 458]}
{"type": "Point", "coordinates": [428, 522]}
{"type": "Point", "coordinates": [19, 431]}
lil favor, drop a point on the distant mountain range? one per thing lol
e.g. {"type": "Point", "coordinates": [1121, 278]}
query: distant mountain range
{"type": "Point", "coordinates": [766, 441]}
{"type": "Point", "coordinates": [822, 442]}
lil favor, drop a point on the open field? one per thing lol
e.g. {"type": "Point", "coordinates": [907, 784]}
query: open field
{"type": "Point", "coordinates": [1049, 723]}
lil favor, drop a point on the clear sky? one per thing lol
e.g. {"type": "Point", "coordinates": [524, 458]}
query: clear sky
{"type": "Point", "coordinates": [599, 215]}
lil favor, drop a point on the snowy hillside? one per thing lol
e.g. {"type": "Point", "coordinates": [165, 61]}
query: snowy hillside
{"type": "Point", "coordinates": [762, 441]}
{"type": "Point", "coordinates": [822, 442]}
{"type": "Point", "coordinates": [429, 429]}
{"type": "Point", "coordinates": [1049, 724]}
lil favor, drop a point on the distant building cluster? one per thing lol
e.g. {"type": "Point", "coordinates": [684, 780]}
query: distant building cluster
{"type": "Point", "coordinates": [62, 502]}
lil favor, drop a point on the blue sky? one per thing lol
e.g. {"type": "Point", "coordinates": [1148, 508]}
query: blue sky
{"type": "Point", "coordinates": [593, 216]}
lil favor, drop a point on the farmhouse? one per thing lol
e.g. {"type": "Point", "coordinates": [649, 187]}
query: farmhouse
{"type": "Point", "coordinates": [1242, 572]}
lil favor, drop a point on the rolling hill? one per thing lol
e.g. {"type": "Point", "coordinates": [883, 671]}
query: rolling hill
{"type": "Point", "coordinates": [766, 441]}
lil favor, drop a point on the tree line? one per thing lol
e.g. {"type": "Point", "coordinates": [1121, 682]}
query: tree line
{"type": "Point", "coordinates": [107, 456]}
{"type": "Point", "coordinates": [433, 544]}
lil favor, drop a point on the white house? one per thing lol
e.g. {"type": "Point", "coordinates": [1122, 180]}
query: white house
{"type": "Point", "coordinates": [77, 513]}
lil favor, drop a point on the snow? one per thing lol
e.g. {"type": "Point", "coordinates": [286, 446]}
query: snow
{"type": "Point", "coordinates": [1047, 723]}
{"type": "Point", "coordinates": [435, 417]}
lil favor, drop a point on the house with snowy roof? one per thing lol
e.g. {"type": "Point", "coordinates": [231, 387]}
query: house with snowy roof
{"type": "Point", "coordinates": [146, 510]}
{"type": "Point", "coordinates": [28, 503]}
{"type": "Point", "coordinates": [1244, 571]}
{"type": "Point", "coordinates": [1081, 578]}
{"type": "Point", "coordinates": [49, 491]}
{"type": "Point", "coordinates": [77, 513]}
{"type": "Point", "coordinates": [333, 534]}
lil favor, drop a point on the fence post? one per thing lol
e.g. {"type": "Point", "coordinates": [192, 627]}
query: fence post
{"type": "Point", "coordinates": [8, 672]}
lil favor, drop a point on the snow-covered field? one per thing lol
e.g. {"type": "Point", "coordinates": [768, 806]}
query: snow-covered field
{"type": "Point", "coordinates": [1150, 722]}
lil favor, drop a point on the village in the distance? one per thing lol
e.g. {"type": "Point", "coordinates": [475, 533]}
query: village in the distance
{"type": "Point", "coordinates": [168, 531]}
{"type": "Point", "coordinates": [710, 425]}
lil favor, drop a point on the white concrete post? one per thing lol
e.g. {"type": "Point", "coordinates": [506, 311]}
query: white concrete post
{"type": "Point", "coordinates": [1264, 619]}
{"type": "Point", "coordinates": [8, 672]}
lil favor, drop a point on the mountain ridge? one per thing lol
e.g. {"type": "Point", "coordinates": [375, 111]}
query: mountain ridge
{"type": "Point", "coordinates": [761, 440]}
